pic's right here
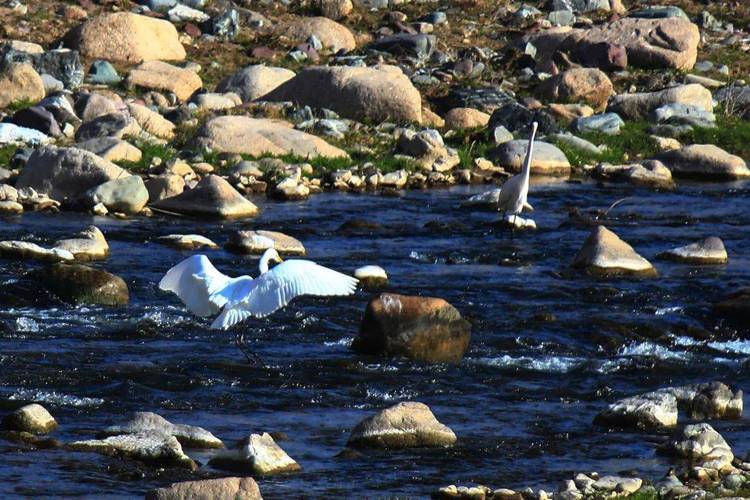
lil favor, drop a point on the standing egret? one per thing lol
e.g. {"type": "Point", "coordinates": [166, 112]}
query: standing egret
{"type": "Point", "coordinates": [512, 198]}
{"type": "Point", "coordinates": [205, 291]}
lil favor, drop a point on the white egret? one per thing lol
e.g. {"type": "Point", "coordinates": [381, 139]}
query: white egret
{"type": "Point", "coordinates": [512, 198]}
{"type": "Point", "coordinates": [206, 291]}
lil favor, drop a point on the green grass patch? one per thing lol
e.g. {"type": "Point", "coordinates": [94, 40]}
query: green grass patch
{"type": "Point", "coordinates": [732, 134]}
{"type": "Point", "coordinates": [19, 105]}
{"type": "Point", "coordinates": [6, 153]}
{"type": "Point", "coordinates": [149, 151]}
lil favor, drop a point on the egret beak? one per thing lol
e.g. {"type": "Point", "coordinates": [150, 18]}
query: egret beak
{"type": "Point", "coordinates": [276, 262]}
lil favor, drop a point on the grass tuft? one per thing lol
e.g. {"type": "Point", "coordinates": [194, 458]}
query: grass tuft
{"type": "Point", "coordinates": [6, 153]}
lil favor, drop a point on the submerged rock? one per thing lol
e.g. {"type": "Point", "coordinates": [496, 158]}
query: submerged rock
{"type": "Point", "coordinates": [146, 422]}
{"type": "Point", "coordinates": [257, 242]}
{"type": "Point", "coordinates": [26, 250]}
{"type": "Point", "coordinates": [86, 285]}
{"type": "Point", "coordinates": [404, 425]}
{"type": "Point", "coordinates": [33, 418]}
{"type": "Point", "coordinates": [211, 197]}
{"type": "Point", "coordinates": [710, 250]}
{"type": "Point", "coordinates": [605, 253]}
{"type": "Point", "coordinates": [236, 488]}
{"type": "Point", "coordinates": [153, 448]}
{"type": "Point", "coordinates": [421, 328]}
{"type": "Point", "coordinates": [256, 454]}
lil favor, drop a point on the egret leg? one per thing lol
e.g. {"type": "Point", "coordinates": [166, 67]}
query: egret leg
{"type": "Point", "coordinates": [252, 358]}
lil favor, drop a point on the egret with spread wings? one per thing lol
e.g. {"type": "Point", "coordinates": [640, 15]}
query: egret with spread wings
{"type": "Point", "coordinates": [205, 291]}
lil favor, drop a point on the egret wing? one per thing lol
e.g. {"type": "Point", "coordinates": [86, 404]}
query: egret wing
{"type": "Point", "coordinates": [273, 290]}
{"type": "Point", "coordinates": [194, 280]}
{"type": "Point", "coordinates": [509, 193]}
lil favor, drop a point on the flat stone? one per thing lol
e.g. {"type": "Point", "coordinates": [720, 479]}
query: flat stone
{"type": "Point", "coordinates": [187, 241]}
{"type": "Point", "coordinates": [547, 159]}
{"type": "Point", "coordinates": [146, 422]}
{"type": "Point", "coordinates": [257, 242]}
{"type": "Point", "coordinates": [640, 105]}
{"type": "Point", "coordinates": [90, 244]}
{"type": "Point", "coordinates": [707, 251]}
{"type": "Point", "coordinates": [153, 448]}
{"type": "Point", "coordinates": [111, 149]}
{"type": "Point", "coordinates": [705, 161]}
{"type": "Point", "coordinates": [604, 252]}
{"type": "Point", "coordinates": [404, 425]}
{"type": "Point", "coordinates": [27, 250]}
{"type": "Point", "coordinates": [162, 76]}
{"type": "Point", "coordinates": [151, 121]}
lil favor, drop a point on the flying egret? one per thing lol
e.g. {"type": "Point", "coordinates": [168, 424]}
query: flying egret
{"type": "Point", "coordinates": [512, 198]}
{"type": "Point", "coordinates": [205, 291]}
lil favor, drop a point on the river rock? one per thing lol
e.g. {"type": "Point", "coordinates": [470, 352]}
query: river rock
{"type": "Point", "coordinates": [111, 149]}
{"type": "Point", "coordinates": [619, 486]}
{"type": "Point", "coordinates": [701, 443]}
{"type": "Point", "coordinates": [332, 35]}
{"type": "Point", "coordinates": [214, 101]}
{"type": "Point", "coordinates": [10, 208]}
{"type": "Point", "coordinates": [416, 45]}
{"type": "Point", "coordinates": [255, 81]}
{"type": "Point", "coordinates": [211, 197]}
{"type": "Point", "coordinates": [187, 241]}
{"type": "Point", "coordinates": [647, 411]}
{"type": "Point", "coordinates": [258, 136]}
{"type": "Point", "coordinates": [26, 250]}
{"type": "Point", "coordinates": [589, 85]}
{"type": "Point", "coordinates": [127, 195]}
{"type": "Point", "coordinates": [151, 121]}
{"type": "Point", "coordinates": [708, 401]}
{"type": "Point", "coordinates": [126, 37]}
{"type": "Point", "coordinates": [89, 244]}
{"type": "Point", "coordinates": [706, 161]}
{"type": "Point", "coordinates": [421, 328]}
{"type": "Point", "coordinates": [652, 174]}
{"type": "Point", "coordinates": [256, 454]}
{"type": "Point", "coordinates": [85, 285]}
{"type": "Point", "coordinates": [641, 105]}
{"type": "Point", "coordinates": [164, 186]}
{"type": "Point", "coordinates": [225, 488]}
{"type": "Point", "coordinates": [33, 418]}
{"type": "Point", "coordinates": [405, 425]}
{"type": "Point", "coordinates": [20, 82]}
{"type": "Point", "coordinates": [37, 118]}
{"type": "Point", "coordinates": [162, 76]}
{"type": "Point", "coordinates": [153, 448]}
{"type": "Point", "coordinates": [117, 125]}
{"type": "Point", "coordinates": [12, 134]}
{"type": "Point", "coordinates": [604, 252]}
{"type": "Point", "coordinates": [371, 277]}
{"type": "Point", "coordinates": [257, 242]}
{"type": "Point", "coordinates": [64, 173]}
{"type": "Point", "coordinates": [548, 159]}
{"type": "Point", "coordinates": [146, 422]}
{"type": "Point", "coordinates": [466, 118]}
{"type": "Point", "coordinates": [94, 105]}
{"type": "Point", "coordinates": [649, 43]}
{"type": "Point", "coordinates": [707, 251]}
{"type": "Point", "coordinates": [374, 94]}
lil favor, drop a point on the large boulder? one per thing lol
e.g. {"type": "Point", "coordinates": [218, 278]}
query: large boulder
{"type": "Point", "coordinates": [66, 173]}
{"type": "Point", "coordinates": [225, 488]}
{"type": "Point", "coordinates": [254, 81]}
{"type": "Point", "coordinates": [146, 422]}
{"type": "Point", "coordinates": [332, 35]}
{"type": "Point", "coordinates": [420, 328]}
{"type": "Point", "coordinates": [161, 76]}
{"type": "Point", "coordinates": [605, 253]}
{"type": "Point", "coordinates": [89, 244]}
{"type": "Point", "coordinates": [152, 448]}
{"type": "Point", "coordinates": [20, 82]}
{"type": "Point", "coordinates": [709, 250]}
{"type": "Point", "coordinates": [547, 159]}
{"type": "Point", "coordinates": [257, 242]}
{"type": "Point", "coordinates": [126, 37]}
{"type": "Point", "coordinates": [33, 418]}
{"type": "Point", "coordinates": [212, 197]}
{"type": "Point", "coordinates": [85, 285]}
{"type": "Point", "coordinates": [404, 425]}
{"type": "Point", "coordinates": [705, 161]}
{"type": "Point", "coordinates": [257, 454]}
{"type": "Point", "coordinates": [374, 94]}
{"type": "Point", "coordinates": [641, 105]}
{"type": "Point", "coordinates": [649, 43]}
{"type": "Point", "coordinates": [589, 85]}
{"type": "Point", "coordinates": [652, 174]}
{"type": "Point", "coordinates": [259, 136]}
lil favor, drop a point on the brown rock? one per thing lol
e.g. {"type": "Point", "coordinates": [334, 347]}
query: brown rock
{"type": "Point", "coordinates": [164, 186]}
{"type": "Point", "coordinates": [212, 197]}
{"type": "Point", "coordinates": [151, 121]}
{"type": "Point", "coordinates": [158, 75]}
{"type": "Point", "coordinates": [335, 9]}
{"type": "Point", "coordinates": [257, 242]}
{"type": "Point", "coordinates": [332, 35]}
{"type": "Point", "coordinates": [126, 37]}
{"type": "Point", "coordinates": [254, 81]}
{"type": "Point", "coordinates": [33, 418]}
{"type": "Point", "coordinates": [374, 94]}
{"type": "Point", "coordinates": [85, 285]}
{"type": "Point", "coordinates": [421, 328]}
{"type": "Point", "coordinates": [89, 244]}
{"type": "Point", "coordinates": [466, 118]}
{"type": "Point", "coordinates": [589, 85]}
{"type": "Point", "coordinates": [225, 488]}
{"type": "Point", "coordinates": [258, 136]}
{"type": "Point", "coordinates": [20, 82]}
{"type": "Point", "coordinates": [605, 253]}
{"type": "Point", "coordinates": [92, 106]}
{"type": "Point", "coordinates": [111, 149]}
{"type": "Point", "coordinates": [705, 161]}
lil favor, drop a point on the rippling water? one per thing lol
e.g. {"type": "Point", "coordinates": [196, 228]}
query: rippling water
{"type": "Point", "coordinates": [550, 347]}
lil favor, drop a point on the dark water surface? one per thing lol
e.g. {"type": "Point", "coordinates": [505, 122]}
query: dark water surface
{"type": "Point", "coordinates": [550, 347]}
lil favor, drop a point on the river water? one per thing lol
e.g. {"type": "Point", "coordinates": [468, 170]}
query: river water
{"type": "Point", "coordinates": [550, 346]}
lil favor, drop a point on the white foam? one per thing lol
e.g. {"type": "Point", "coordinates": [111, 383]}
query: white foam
{"type": "Point", "coordinates": [549, 364]}
{"type": "Point", "coordinates": [54, 398]}
{"type": "Point", "coordinates": [731, 346]}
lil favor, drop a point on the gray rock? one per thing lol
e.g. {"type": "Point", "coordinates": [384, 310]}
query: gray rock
{"type": "Point", "coordinates": [647, 411]}
{"type": "Point", "coordinates": [651, 174]}
{"type": "Point", "coordinates": [116, 125]}
{"type": "Point", "coordinates": [257, 242]}
{"type": "Point", "coordinates": [576, 142]}
{"type": "Point", "coordinates": [234, 488]}
{"type": "Point", "coordinates": [605, 123]}
{"type": "Point", "coordinates": [146, 422]}
{"type": "Point", "coordinates": [153, 448]}
{"type": "Point", "coordinates": [684, 114]}
{"type": "Point", "coordinates": [707, 251]}
{"type": "Point", "coordinates": [254, 81]}
{"type": "Point", "coordinates": [701, 443]}
{"type": "Point", "coordinates": [87, 245]}
{"type": "Point", "coordinates": [706, 161]}
{"type": "Point", "coordinates": [103, 73]}
{"type": "Point", "coordinates": [211, 197]}
{"type": "Point", "coordinates": [419, 46]}
{"type": "Point", "coordinates": [257, 454]}
{"type": "Point", "coordinates": [501, 135]}
{"type": "Point", "coordinates": [127, 195]}
{"type": "Point", "coordinates": [548, 159]}
{"type": "Point", "coordinates": [561, 17]}
{"type": "Point", "coordinates": [660, 12]}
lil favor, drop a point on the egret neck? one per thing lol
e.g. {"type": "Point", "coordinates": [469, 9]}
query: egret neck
{"type": "Point", "coordinates": [529, 152]}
